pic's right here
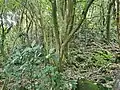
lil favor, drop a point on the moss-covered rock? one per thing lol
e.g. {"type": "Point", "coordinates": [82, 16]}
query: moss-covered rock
{"type": "Point", "coordinates": [84, 84]}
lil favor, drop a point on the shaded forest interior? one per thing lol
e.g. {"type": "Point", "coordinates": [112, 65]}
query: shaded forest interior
{"type": "Point", "coordinates": [59, 44]}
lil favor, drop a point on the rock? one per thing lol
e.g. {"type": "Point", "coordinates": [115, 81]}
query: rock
{"type": "Point", "coordinates": [108, 78]}
{"type": "Point", "coordinates": [117, 84]}
{"type": "Point", "coordinates": [84, 84]}
{"type": "Point", "coordinates": [102, 80]}
{"type": "Point", "coordinates": [114, 66]}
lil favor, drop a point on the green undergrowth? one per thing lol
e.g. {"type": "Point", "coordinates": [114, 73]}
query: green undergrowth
{"type": "Point", "coordinates": [29, 68]}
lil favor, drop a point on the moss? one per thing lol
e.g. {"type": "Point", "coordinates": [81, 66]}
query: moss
{"type": "Point", "coordinates": [84, 84]}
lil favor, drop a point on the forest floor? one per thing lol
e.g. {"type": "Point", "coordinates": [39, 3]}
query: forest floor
{"type": "Point", "coordinates": [98, 71]}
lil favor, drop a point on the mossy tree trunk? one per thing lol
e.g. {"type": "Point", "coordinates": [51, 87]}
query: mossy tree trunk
{"type": "Point", "coordinates": [111, 3]}
{"type": "Point", "coordinates": [118, 21]}
{"type": "Point", "coordinates": [68, 14]}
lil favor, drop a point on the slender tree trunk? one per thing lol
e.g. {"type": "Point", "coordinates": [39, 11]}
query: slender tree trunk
{"type": "Point", "coordinates": [118, 21]}
{"type": "Point", "coordinates": [108, 20]}
{"type": "Point", "coordinates": [2, 37]}
{"type": "Point", "coordinates": [55, 22]}
{"type": "Point", "coordinates": [71, 34]}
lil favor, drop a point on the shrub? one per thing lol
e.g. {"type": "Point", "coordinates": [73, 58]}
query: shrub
{"type": "Point", "coordinates": [27, 67]}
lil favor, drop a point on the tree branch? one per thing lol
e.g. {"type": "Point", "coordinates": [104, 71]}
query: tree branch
{"type": "Point", "coordinates": [84, 13]}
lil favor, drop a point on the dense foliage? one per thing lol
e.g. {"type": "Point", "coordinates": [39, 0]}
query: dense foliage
{"type": "Point", "coordinates": [53, 44]}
